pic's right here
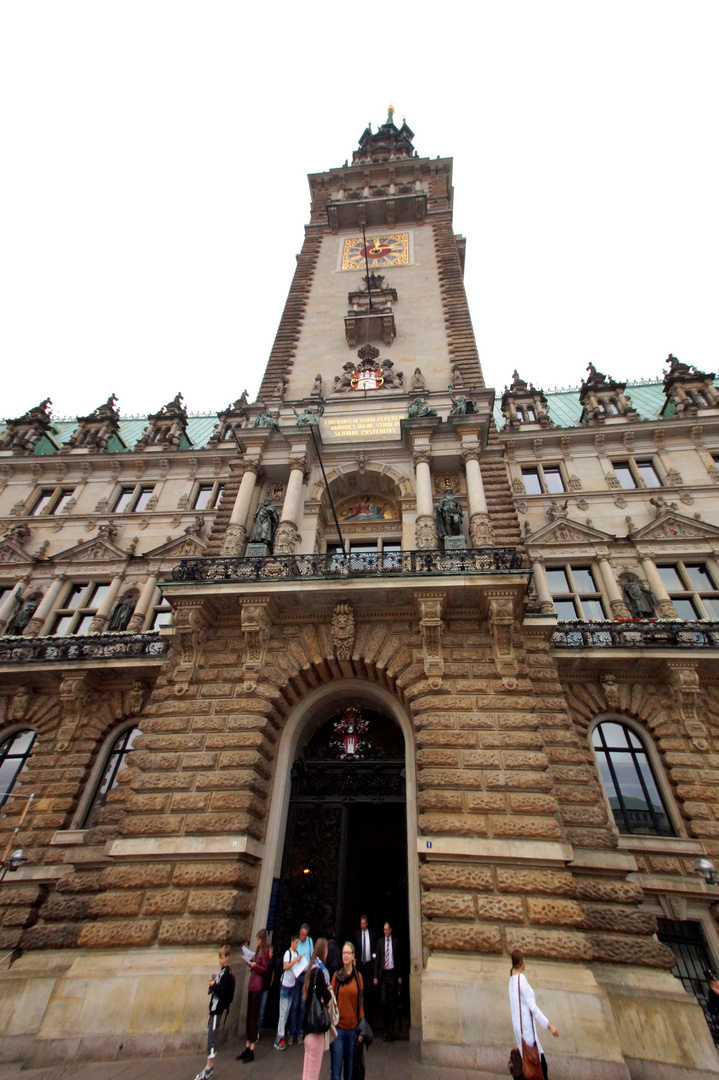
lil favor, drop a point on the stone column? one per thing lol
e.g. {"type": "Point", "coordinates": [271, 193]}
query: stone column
{"type": "Point", "coordinates": [44, 608]}
{"type": "Point", "coordinates": [425, 527]}
{"type": "Point", "coordinates": [287, 535]}
{"type": "Point", "coordinates": [617, 603]}
{"type": "Point", "coordinates": [146, 596]}
{"type": "Point", "coordinates": [103, 612]}
{"type": "Point", "coordinates": [480, 528]}
{"type": "Point", "coordinates": [237, 529]}
{"type": "Point", "coordinates": [546, 604]}
{"type": "Point", "coordinates": [10, 603]}
{"type": "Point", "coordinates": [664, 605]}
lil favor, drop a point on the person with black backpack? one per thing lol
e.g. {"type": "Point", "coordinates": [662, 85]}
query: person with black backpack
{"type": "Point", "coordinates": [222, 993]}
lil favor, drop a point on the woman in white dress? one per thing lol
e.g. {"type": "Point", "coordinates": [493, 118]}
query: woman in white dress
{"type": "Point", "coordinates": [530, 1009]}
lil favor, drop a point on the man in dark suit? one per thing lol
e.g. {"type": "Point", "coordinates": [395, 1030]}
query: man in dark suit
{"type": "Point", "coordinates": [365, 955]}
{"type": "Point", "coordinates": [387, 978]}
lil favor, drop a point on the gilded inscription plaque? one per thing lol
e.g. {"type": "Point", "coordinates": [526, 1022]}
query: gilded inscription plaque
{"type": "Point", "coordinates": [360, 428]}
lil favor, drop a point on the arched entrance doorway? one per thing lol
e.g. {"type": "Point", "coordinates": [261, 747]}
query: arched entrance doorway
{"type": "Point", "coordinates": [346, 840]}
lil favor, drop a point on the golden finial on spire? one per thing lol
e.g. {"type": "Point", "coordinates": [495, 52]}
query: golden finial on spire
{"type": "Point", "coordinates": [390, 113]}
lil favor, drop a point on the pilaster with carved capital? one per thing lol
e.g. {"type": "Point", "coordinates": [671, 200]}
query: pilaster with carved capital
{"type": "Point", "coordinates": [425, 533]}
{"type": "Point", "coordinates": [684, 680]}
{"type": "Point", "coordinates": [255, 621]}
{"type": "Point", "coordinates": [480, 530]}
{"type": "Point", "coordinates": [430, 623]}
{"type": "Point", "coordinates": [501, 621]}
{"type": "Point", "coordinates": [234, 540]}
{"type": "Point", "coordinates": [286, 538]}
{"type": "Point", "coordinates": [191, 625]}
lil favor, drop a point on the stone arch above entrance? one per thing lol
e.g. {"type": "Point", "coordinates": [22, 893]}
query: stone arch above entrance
{"type": "Point", "coordinates": [306, 717]}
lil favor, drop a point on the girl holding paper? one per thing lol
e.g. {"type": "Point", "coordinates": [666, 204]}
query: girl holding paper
{"type": "Point", "coordinates": [258, 969]}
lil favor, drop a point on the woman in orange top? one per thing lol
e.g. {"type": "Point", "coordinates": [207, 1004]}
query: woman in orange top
{"type": "Point", "coordinates": [348, 988]}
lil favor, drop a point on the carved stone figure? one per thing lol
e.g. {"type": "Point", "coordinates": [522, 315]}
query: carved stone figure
{"type": "Point", "coordinates": [22, 616]}
{"type": "Point", "coordinates": [392, 379]}
{"type": "Point", "coordinates": [448, 515]}
{"type": "Point", "coordinates": [264, 524]}
{"type": "Point", "coordinates": [317, 386]}
{"type": "Point", "coordinates": [266, 420]}
{"type": "Point", "coordinates": [417, 381]}
{"type": "Point", "coordinates": [461, 405]}
{"type": "Point", "coordinates": [121, 614]}
{"type": "Point", "coordinates": [419, 408]}
{"type": "Point", "coordinates": [343, 631]}
{"type": "Point", "coordinates": [281, 388]}
{"type": "Point", "coordinates": [638, 599]}
{"type": "Point", "coordinates": [308, 417]}
{"type": "Point", "coordinates": [344, 382]}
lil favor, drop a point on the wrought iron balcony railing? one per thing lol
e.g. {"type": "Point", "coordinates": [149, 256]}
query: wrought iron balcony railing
{"type": "Point", "coordinates": [122, 646]}
{"type": "Point", "coordinates": [487, 560]}
{"type": "Point", "coordinates": [638, 634]}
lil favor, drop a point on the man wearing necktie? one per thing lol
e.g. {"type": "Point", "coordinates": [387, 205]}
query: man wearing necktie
{"type": "Point", "coordinates": [366, 954]}
{"type": "Point", "coordinates": [388, 978]}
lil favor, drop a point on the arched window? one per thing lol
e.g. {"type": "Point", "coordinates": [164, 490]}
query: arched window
{"type": "Point", "coordinates": [117, 758]}
{"type": "Point", "coordinates": [629, 782]}
{"type": "Point", "coordinates": [15, 749]}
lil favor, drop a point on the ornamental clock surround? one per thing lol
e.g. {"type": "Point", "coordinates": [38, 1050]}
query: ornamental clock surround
{"type": "Point", "coordinates": [381, 249]}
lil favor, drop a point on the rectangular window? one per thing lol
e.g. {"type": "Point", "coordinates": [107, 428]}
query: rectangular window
{"type": "Point", "coordinates": [575, 594]}
{"type": "Point", "coordinates": [543, 479]}
{"type": "Point", "coordinates": [208, 496]}
{"type": "Point", "coordinates": [161, 612]}
{"type": "Point", "coordinates": [133, 499]}
{"type": "Point", "coordinates": [692, 590]}
{"type": "Point", "coordinates": [124, 499]}
{"type": "Point", "coordinates": [143, 499]}
{"type": "Point", "coordinates": [79, 608]}
{"type": "Point", "coordinates": [636, 474]}
{"type": "Point", "coordinates": [52, 501]}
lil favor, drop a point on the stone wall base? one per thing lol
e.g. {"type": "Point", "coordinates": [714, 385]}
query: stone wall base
{"type": "Point", "coordinates": [615, 1023]}
{"type": "Point", "coordinates": [58, 1006]}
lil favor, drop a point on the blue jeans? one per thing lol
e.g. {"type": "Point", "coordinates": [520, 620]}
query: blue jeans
{"type": "Point", "coordinates": [288, 1008]}
{"type": "Point", "coordinates": [342, 1049]}
{"type": "Point", "coordinates": [263, 1005]}
{"type": "Point", "coordinates": [298, 1008]}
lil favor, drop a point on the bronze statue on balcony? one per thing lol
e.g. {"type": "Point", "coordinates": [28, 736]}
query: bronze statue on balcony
{"type": "Point", "coordinates": [419, 408]}
{"type": "Point", "coordinates": [638, 599]}
{"type": "Point", "coordinates": [267, 420]}
{"type": "Point", "coordinates": [461, 405]}
{"type": "Point", "coordinates": [22, 616]}
{"type": "Point", "coordinates": [264, 524]}
{"type": "Point", "coordinates": [449, 514]}
{"type": "Point", "coordinates": [121, 614]}
{"type": "Point", "coordinates": [308, 417]}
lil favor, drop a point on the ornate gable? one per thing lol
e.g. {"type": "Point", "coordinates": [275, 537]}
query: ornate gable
{"type": "Point", "coordinates": [11, 553]}
{"type": "Point", "coordinates": [98, 550]}
{"type": "Point", "coordinates": [673, 526]}
{"type": "Point", "coordinates": [564, 531]}
{"type": "Point", "coordinates": [180, 547]}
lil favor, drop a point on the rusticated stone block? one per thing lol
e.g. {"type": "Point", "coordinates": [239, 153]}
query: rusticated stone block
{"type": "Point", "coordinates": [153, 825]}
{"type": "Point", "coordinates": [172, 742]}
{"type": "Point", "coordinates": [664, 864]}
{"type": "Point", "coordinates": [451, 778]}
{"type": "Point", "coordinates": [162, 781]}
{"type": "Point", "coordinates": [437, 721]}
{"type": "Point", "coordinates": [244, 759]}
{"type": "Point", "coordinates": [22, 895]}
{"type": "Point", "coordinates": [509, 740]}
{"type": "Point", "coordinates": [449, 738]}
{"type": "Point", "coordinates": [123, 903]}
{"type": "Point", "coordinates": [574, 774]}
{"type": "Point", "coordinates": [446, 876]}
{"type": "Point", "coordinates": [481, 759]}
{"type": "Point", "coordinates": [49, 936]}
{"type": "Point", "coordinates": [210, 723]}
{"type": "Point", "coordinates": [524, 827]}
{"type": "Point", "coordinates": [165, 902]}
{"type": "Point", "coordinates": [146, 760]}
{"type": "Point", "coordinates": [579, 794]}
{"type": "Point", "coordinates": [621, 920]}
{"type": "Point", "coordinates": [195, 931]}
{"type": "Point", "coordinates": [549, 944]}
{"type": "Point", "coordinates": [239, 800]}
{"type": "Point", "coordinates": [448, 905]}
{"type": "Point", "coordinates": [237, 740]}
{"type": "Point", "coordinates": [162, 724]}
{"type": "Point", "coordinates": [519, 781]}
{"type": "Point", "coordinates": [438, 757]}
{"type": "Point", "coordinates": [147, 804]}
{"type": "Point", "coordinates": [697, 809]}
{"type": "Point", "coordinates": [106, 935]}
{"type": "Point", "coordinates": [199, 761]}
{"type": "Point", "coordinates": [566, 754]}
{"type": "Point", "coordinates": [453, 824]}
{"type": "Point", "coordinates": [435, 703]}
{"type": "Point", "coordinates": [439, 799]}
{"type": "Point", "coordinates": [550, 882]}
{"type": "Point", "coordinates": [551, 912]}
{"type": "Point", "coordinates": [585, 815]}
{"type": "Point", "coordinates": [189, 802]}
{"type": "Point", "coordinates": [219, 901]}
{"type": "Point", "coordinates": [524, 759]}
{"type": "Point", "coordinates": [622, 892]}
{"type": "Point", "coordinates": [530, 803]}
{"type": "Point", "coordinates": [136, 876]}
{"type": "Point", "coordinates": [66, 907]}
{"type": "Point", "coordinates": [602, 839]}
{"type": "Point", "coordinates": [217, 690]}
{"type": "Point", "coordinates": [462, 937]}
{"type": "Point", "coordinates": [220, 824]}
{"type": "Point", "coordinates": [704, 828]}
{"type": "Point", "coordinates": [231, 779]}
{"type": "Point", "coordinates": [501, 908]}
{"type": "Point", "coordinates": [484, 802]}
{"type": "Point", "coordinates": [19, 916]}
{"type": "Point", "coordinates": [215, 873]}
{"type": "Point", "coordinates": [622, 949]}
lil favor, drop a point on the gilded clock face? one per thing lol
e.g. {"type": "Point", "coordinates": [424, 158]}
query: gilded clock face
{"type": "Point", "coordinates": [382, 249]}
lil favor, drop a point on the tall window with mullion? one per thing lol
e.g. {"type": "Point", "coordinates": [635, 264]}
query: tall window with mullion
{"type": "Point", "coordinates": [15, 749]}
{"type": "Point", "coordinates": [118, 758]}
{"type": "Point", "coordinates": [543, 479]}
{"type": "Point", "coordinates": [79, 608]}
{"type": "Point", "coordinates": [575, 594]}
{"type": "Point", "coordinates": [692, 590]}
{"type": "Point", "coordinates": [629, 782]}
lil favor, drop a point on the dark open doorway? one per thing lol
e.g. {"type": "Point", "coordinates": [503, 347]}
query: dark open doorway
{"type": "Point", "coordinates": [345, 848]}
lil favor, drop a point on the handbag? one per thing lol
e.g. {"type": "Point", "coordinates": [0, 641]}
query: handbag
{"type": "Point", "coordinates": [531, 1063]}
{"type": "Point", "coordinates": [317, 1020]}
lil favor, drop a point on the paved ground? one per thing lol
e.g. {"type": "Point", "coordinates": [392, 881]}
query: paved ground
{"type": "Point", "coordinates": [384, 1061]}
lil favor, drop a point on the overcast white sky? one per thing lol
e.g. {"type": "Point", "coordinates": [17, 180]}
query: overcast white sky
{"type": "Point", "coordinates": [154, 193]}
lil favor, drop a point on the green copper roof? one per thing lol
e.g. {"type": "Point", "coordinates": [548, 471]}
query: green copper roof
{"type": "Point", "coordinates": [647, 397]}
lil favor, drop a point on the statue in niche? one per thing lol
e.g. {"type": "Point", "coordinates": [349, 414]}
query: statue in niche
{"type": "Point", "coordinates": [121, 614]}
{"type": "Point", "coordinates": [317, 386]}
{"type": "Point", "coordinates": [638, 599]}
{"type": "Point", "coordinates": [22, 616]}
{"type": "Point", "coordinates": [308, 417]}
{"type": "Point", "coordinates": [264, 524]}
{"type": "Point", "coordinates": [266, 420]}
{"type": "Point", "coordinates": [448, 515]}
{"type": "Point", "coordinates": [419, 408]}
{"type": "Point", "coordinates": [417, 381]}
{"type": "Point", "coordinates": [461, 405]}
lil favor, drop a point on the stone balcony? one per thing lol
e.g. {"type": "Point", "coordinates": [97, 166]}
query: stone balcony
{"type": "Point", "coordinates": [119, 650]}
{"type": "Point", "coordinates": [648, 647]}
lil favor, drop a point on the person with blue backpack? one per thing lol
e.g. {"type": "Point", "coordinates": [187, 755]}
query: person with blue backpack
{"type": "Point", "coordinates": [222, 993]}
